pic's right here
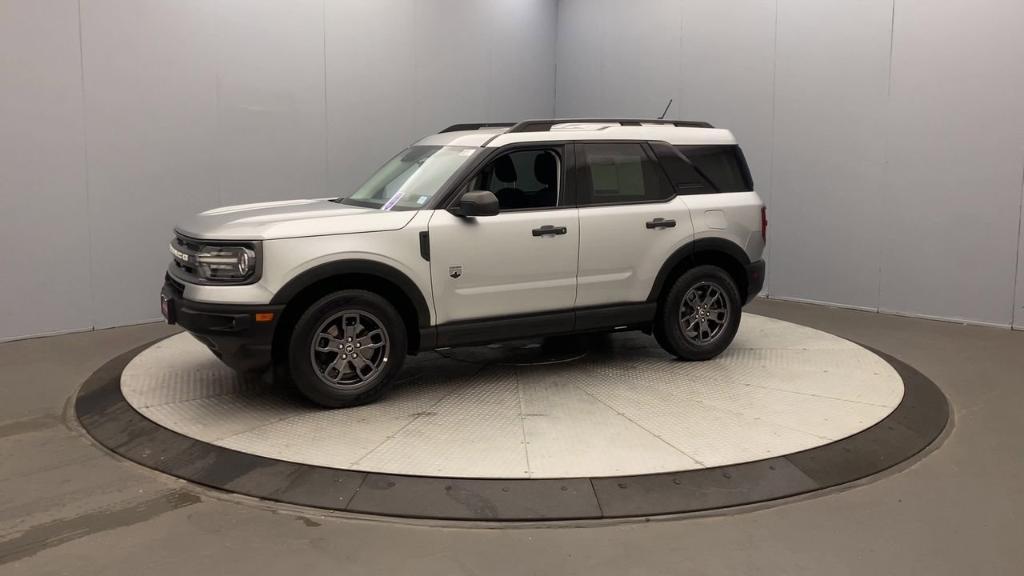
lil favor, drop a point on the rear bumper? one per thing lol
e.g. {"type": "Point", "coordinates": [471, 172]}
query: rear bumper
{"type": "Point", "coordinates": [230, 331]}
{"type": "Point", "coordinates": [755, 279]}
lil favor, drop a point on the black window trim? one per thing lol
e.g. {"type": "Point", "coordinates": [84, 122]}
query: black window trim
{"type": "Point", "coordinates": [561, 149]}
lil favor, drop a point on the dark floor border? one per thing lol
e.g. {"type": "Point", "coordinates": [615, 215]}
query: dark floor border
{"type": "Point", "coordinates": [918, 420]}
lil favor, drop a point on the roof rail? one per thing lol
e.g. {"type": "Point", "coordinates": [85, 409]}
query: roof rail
{"type": "Point", "coordinates": [457, 127]}
{"type": "Point", "coordinates": [546, 125]}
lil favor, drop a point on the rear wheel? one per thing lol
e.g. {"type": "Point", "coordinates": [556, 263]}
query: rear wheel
{"type": "Point", "coordinates": [700, 315]}
{"type": "Point", "coordinates": [346, 349]}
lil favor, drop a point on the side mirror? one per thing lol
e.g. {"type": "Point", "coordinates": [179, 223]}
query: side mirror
{"type": "Point", "coordinates": [477, 203]}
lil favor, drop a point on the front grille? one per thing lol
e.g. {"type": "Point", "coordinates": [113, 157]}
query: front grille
{"type": "Point", "coordinates": [183, 253]}
{"type": "Point", "coordinates": [183, 259]}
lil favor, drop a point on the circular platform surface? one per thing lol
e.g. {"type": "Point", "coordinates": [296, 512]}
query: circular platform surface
{"type": "Point", "coordinates": [620, 406]}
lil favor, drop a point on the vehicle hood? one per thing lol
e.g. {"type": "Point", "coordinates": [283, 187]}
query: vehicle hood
{"type": "Point", "coordinates": [290, 219]}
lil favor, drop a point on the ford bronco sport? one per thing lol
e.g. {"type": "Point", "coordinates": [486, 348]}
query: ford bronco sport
{"type": "Point", "coordinates": [480, 233]}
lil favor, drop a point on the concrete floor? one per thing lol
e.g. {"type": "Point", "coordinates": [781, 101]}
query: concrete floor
{"type": "Point", "coordinates": [68, 507]}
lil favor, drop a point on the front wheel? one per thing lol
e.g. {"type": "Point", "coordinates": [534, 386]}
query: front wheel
{"type": "Point", "coordinates": [347, 348]}
{"type": "Point", "coordinates": [700, 315]}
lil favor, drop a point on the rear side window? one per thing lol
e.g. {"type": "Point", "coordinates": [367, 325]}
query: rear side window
{"type": "Point", "coordinates": [724, 166]}
{"type": "Point", "coordinates": [684, 176]}
{"type": "Point", "coordinates": [620, 173]}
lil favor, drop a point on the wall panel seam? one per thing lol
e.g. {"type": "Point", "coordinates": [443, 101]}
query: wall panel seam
{"type": "Point", "coordinates": [1018, 306]}
{"type": "Point", "coordinates": [85, 174]}
{"type": "Point", "coordinates": [327, 122]}
{"type": "Point", "coordinates": [771, 149]}
{"type": "Point", "coordinates": [554, 68]}
{"type": "Point", "coordinates": [680, 84]}
{"type": "Point", "coordinates": [887, 134]}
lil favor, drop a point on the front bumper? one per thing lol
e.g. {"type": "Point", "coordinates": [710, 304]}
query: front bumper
{"type": "Point", "coordinates": [233, 332]}
{"type": "Point", "coordinates": [755, 279]}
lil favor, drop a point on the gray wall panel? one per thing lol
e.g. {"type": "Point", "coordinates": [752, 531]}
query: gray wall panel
{"type": "Point", "coordinates": [522, 61]}
{"type": "Point", "coordinates": [151, 108]}
{"type": "Point", "coordinates": [45, 257]}
{"type": "Point", "coordinates": [451, 51]}
{"type": "Point", "coordinates": [400, 69]}
{"type": "Point", "coordinates": [640, 57]}
{"type": "Point", "coordinates": [954, 160]}
{"type": "Point", "coordinates": [831, 80]}
{"type": "Point", "coordinates": [270, 100]}
{"type": "Point", "coordinates": [615, 59]}
{"type": "Point", "coordinates": [370, 87]}
{"type": "Point", "coordinates": [580, 66]}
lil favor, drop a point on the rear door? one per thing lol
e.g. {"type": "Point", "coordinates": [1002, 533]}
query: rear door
{"type": "Point", "coordinates": [631, 220]}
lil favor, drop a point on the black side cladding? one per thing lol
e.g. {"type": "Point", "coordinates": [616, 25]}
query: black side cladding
{"type": "Point", "coordinates": [425, 245]}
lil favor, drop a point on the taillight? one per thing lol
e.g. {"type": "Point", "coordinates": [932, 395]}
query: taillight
{"type": "Point", "coordinates": [764, 224]}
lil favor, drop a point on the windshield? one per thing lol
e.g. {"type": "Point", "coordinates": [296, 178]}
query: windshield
{"type": "Point", "coordinates": [408, 180]}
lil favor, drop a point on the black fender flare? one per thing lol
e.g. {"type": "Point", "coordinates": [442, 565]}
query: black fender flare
{"type": "Point", "coordinates": [356, 266]}
{"type": "Point", "coordinates": [691, 252]}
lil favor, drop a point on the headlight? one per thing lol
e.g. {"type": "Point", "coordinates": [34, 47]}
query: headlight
{"type": "Point", "coordinates": [214, 262]}
{"type": "Point", "coordinates": [225, 262]}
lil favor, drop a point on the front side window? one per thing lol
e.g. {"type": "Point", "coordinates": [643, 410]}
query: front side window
{"type": "Point", "coordinates": [621, 173]}
{"type": "Point", "coordinates": [407, 181]}
{"type": "Point", "coordinates": [523, 179]}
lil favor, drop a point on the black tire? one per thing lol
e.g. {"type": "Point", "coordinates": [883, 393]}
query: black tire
{"type": "Point", "coordinates": [330, 330]}
{"type": "Point", "coordinates": [698, 343]}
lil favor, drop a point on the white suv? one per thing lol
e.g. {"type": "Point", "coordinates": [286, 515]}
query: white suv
{"type": "Point", "coordinates": [480, 233]}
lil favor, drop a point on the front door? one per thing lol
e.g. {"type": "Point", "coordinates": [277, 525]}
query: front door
{"type": "Point", "coordinates": [520, 262]}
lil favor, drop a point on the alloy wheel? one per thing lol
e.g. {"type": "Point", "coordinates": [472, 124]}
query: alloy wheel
{"type": "Point", "coordinates": [704, 313]}
{"type": "Point", "coordinates": [350, 348]}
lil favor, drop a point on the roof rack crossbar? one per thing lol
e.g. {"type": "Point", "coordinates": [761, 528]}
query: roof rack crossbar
{"type": "Point", "coordinates": [546, 125]}
{"type": "Point", "coordinates": [458, 127]}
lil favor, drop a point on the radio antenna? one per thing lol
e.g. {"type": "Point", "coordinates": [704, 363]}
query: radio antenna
{"type": "Point", "coordinates": [667, 106]}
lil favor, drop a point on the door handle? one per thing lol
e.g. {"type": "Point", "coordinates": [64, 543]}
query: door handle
{"type": "Point", "coordinates": [548, 229]}
{"type": "Point", "coordinates": [660, 223]}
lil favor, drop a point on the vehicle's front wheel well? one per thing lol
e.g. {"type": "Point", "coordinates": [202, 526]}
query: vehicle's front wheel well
{"type": "Point", "coordinates": [310, 294]}
{"type": "Point", "coordinates": [722, 260]}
